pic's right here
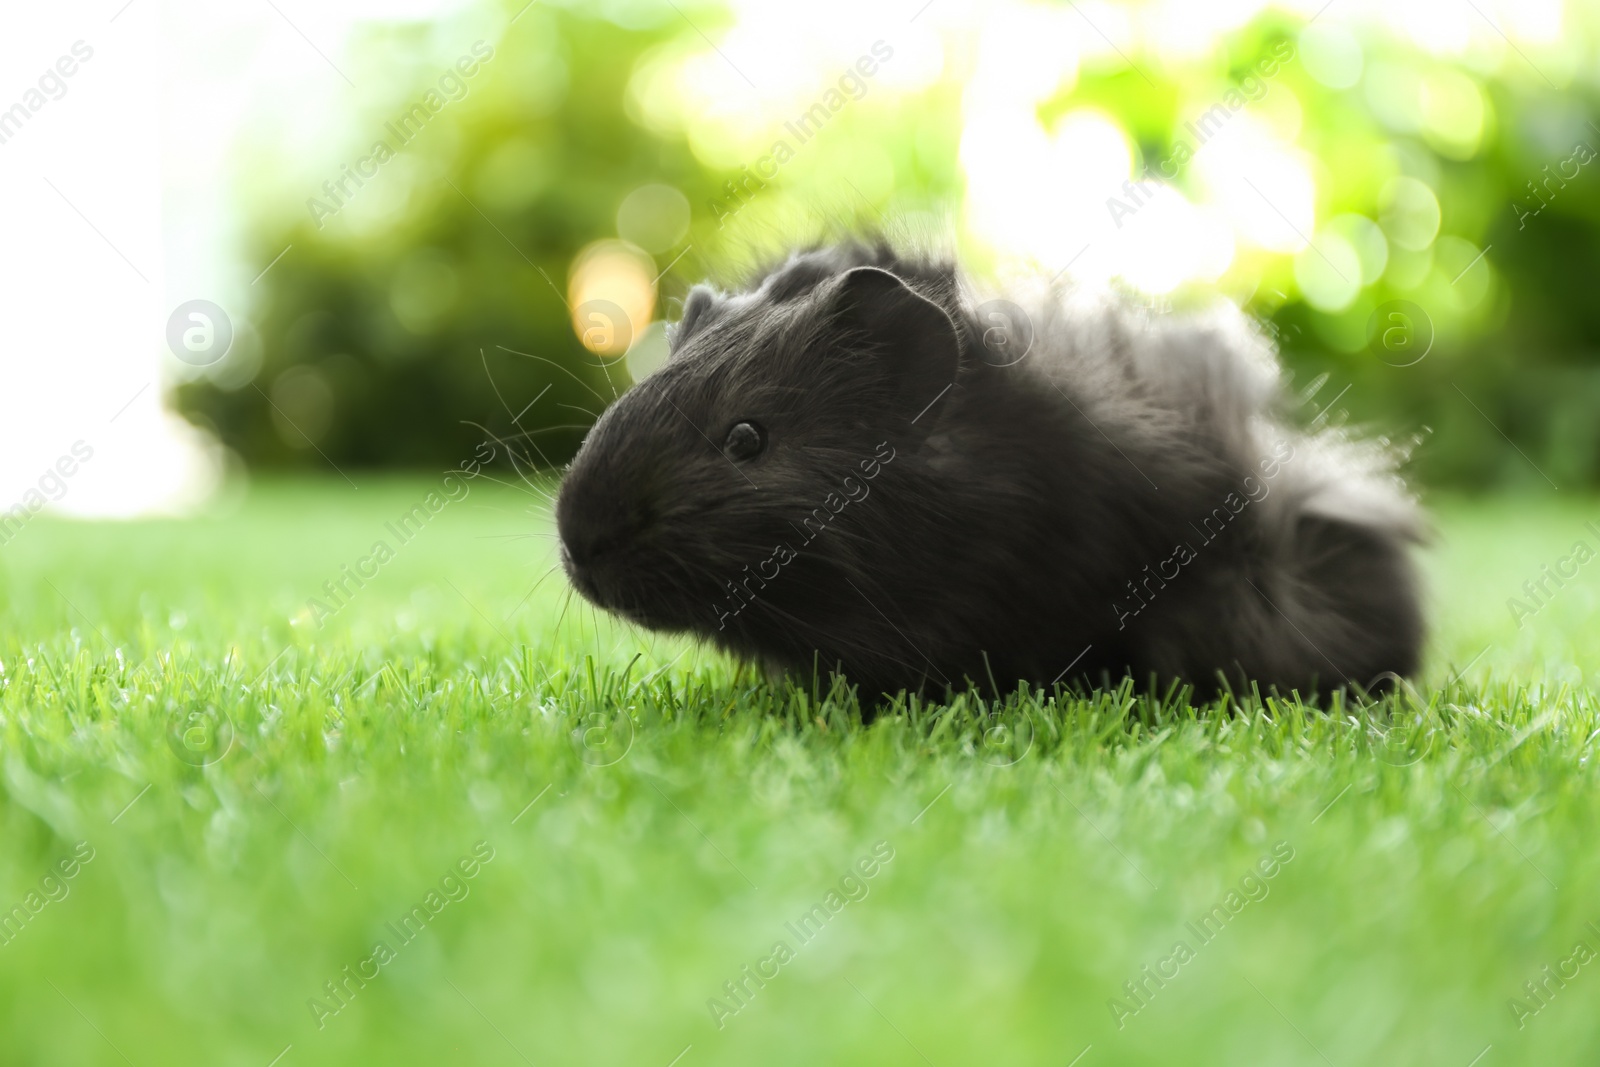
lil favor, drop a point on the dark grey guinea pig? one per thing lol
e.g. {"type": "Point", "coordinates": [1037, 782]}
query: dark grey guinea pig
{"type": "Point", "coordinates": [841, 468]}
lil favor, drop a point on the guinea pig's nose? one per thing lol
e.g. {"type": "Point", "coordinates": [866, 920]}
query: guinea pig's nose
{"type": "Point", "coordinates": [584, 541]}
{"type": "Point", "coordinates": [587, 549]}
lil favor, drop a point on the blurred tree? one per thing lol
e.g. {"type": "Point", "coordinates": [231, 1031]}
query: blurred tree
{"type": "Point", "coordinates": [435, 289]}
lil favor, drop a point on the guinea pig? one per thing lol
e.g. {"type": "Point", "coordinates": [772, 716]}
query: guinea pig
{"type": "Point", "coordinates": [852, 466]}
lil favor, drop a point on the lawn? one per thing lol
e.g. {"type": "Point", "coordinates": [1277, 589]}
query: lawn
{"type": "Point", "coordinates": [444, 820]}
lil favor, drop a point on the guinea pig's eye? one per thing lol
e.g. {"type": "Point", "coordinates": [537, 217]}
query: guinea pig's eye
{"type": "Point", "coordinates": [745, 441]}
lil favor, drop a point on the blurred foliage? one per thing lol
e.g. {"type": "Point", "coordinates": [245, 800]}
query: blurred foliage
{"type": "Point", "coordinates": [378, 336]}
{"type": "Point", "coordinates": [369, 333]}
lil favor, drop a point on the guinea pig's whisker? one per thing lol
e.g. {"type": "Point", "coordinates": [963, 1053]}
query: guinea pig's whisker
{"type": "Point", "coordinates": [515, 537]}
{"type": "Point", "coordinates": [557, 366]}
{"type": "Point", "coordinates": [541, 580]}
{"type": "Point", "coordinates": [550, 429]}
{"type": "Point", "coordinates": [605, 368]}
{"type": "Point", "coordinates": [514, 455]}
{"type": "Point", "coordinates": [576, 407]}
{"type": "Point", "coordinates": [501, 441]}
{"type": "Point", "coordinates": [529, 482]}
{"type": "Point", "coordinates": [530, 489]}
{"type": "Point", "coordinates": [565, 604]}
{"type": "Point", "coordinates": [501, 396]}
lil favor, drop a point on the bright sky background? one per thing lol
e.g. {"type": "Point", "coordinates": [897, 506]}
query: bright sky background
{"type": "Point", "coordinates": [118, 211]}
{"type": "Point", "coordinates": [118, 193]}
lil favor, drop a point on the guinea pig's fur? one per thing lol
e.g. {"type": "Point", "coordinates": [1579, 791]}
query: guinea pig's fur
{"type": "Point", "coordinates": [929, 510]}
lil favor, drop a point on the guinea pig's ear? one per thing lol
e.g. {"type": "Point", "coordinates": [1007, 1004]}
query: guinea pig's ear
{"type": "Point", "coordinates": [695, 306]}
{"type": "Point", "coordinates": [911, 338]}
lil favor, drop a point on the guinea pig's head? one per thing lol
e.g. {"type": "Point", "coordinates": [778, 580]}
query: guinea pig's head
{"type": "Point", "coordinates": [773, 407]}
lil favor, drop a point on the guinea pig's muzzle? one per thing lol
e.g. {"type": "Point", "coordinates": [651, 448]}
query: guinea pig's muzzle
{"type": "Point", "coordinates": [599, 536]}
{"type": "Point", "coordinates": [590, 563]}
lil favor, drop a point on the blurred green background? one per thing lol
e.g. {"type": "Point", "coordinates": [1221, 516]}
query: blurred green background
{"type": "Point", "coordinates": [1404, 195]}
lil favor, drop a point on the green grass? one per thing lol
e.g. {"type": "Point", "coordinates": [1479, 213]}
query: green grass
{"type": "Point", "coordinates": [1443, 849]}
